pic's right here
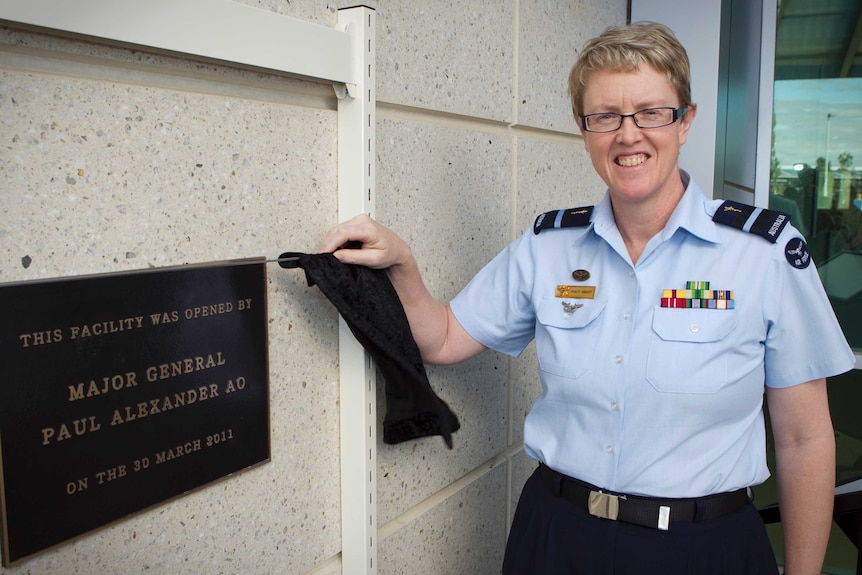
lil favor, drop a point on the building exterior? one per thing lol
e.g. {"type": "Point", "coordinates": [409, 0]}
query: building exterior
{"type": "Point", "coordinates": [118, 158]}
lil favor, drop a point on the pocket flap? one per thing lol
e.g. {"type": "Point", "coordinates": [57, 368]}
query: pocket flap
{"type": "Point", "coordinates": [694, 325]}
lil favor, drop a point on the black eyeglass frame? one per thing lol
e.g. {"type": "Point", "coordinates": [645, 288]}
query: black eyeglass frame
{"type": "Point", "coordinates": [677, 114]}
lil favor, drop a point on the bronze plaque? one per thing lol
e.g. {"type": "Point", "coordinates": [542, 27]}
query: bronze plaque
{"type": "Point", "coordinates": [122, 391]}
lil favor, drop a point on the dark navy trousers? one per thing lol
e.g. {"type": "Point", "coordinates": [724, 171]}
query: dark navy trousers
{"type": "Point", "coordinates": [551, 536]}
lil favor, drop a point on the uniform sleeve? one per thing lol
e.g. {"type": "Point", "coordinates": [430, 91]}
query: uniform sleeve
{"type": "Point", "coordinates": [804, 340]}
{"type": "Point", "coordinates": [495, 308]}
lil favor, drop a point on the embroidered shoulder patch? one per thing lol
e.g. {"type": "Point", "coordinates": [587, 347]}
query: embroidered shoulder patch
{"type": "Point", "coordinates": [765, 223]}
{"type": "Point", "coordinates": [796, 252]}
{"type": "Point", "coordinates": [571, 218]}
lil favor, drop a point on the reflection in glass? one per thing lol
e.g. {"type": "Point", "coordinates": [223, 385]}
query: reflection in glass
{"type": "Point", "coordinates": [816, 146]}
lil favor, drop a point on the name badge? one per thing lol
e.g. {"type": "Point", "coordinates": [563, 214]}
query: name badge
{"type": "Point", "coordinates": [576, 292]}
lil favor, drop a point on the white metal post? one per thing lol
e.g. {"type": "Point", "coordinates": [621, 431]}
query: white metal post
{"type": "Point", "coordinates": [356, 173]}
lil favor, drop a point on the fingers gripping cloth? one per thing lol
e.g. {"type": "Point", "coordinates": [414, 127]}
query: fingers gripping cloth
{"type": "Point", "coordinates": [370, 306]}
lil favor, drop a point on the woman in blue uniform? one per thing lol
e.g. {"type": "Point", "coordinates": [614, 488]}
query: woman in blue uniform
{"type": "Point", "coordinates": [660, 317]}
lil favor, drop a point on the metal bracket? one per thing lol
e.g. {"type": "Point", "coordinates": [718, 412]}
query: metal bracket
{"type": "Point", "coordinates": [344, 91]}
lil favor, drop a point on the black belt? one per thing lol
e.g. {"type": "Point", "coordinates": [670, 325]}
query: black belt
{"type": "Point", "coordinates": [645, 511]}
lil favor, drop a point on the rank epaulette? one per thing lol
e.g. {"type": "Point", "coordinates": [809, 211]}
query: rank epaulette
{"type": "Point", "coordinates": [765, 223]}
{"type": "Point", "coordinates": [571, 218]}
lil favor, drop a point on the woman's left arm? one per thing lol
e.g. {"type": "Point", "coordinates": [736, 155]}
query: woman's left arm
{"type": "Point", "coordinates": [805, 471]}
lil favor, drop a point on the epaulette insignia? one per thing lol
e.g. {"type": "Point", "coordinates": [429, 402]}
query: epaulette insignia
{"type": "Point", "coordinates": [765, 223]}
{"type": "Point", "coordinates": [571, 218]}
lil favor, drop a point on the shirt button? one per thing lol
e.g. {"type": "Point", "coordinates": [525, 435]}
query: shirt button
{"type": "Point", "coordinates": [609, 449]}
{"type": "Point", "coordinates": [627, 315]}
{"type": "Point", "coordinates": [694, 328]}
{"type": "Point", "coordinates": [615, 406]}
{"type": "Point", "coordinates": [618, 359]}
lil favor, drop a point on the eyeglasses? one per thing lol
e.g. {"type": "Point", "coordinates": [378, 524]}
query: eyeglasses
{"type": "Point", "coordinates": [649, 118]}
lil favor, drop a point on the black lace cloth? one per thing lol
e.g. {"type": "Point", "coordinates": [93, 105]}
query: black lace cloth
{"type": "Point", "coordinates": [370, 306]}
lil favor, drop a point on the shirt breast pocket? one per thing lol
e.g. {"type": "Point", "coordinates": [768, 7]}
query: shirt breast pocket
{"type": "Point", "coordinates": [566, 334]}
{"type": "Point", "coordinates": [690, 349]}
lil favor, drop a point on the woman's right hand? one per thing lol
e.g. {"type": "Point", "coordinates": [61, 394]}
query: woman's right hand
{"type": "Point", "coordinates": [380, 247]}
{"type": "Point", "coordinates": [440, 337]}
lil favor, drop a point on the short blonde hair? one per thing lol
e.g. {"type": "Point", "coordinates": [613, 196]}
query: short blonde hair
{"type": "Point", "coordinates": [624, 49]}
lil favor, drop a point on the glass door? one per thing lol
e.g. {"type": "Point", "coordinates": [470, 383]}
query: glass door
{"type": "Point", "coordinates": [816, 176]}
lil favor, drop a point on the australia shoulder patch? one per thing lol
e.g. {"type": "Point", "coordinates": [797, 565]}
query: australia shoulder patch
{"type": "Point", "coordinates": [762, 222]}
{"type": "Point", "coordinates": [797, 254]}
{"type": "Point", "coordinates": [570, 218]}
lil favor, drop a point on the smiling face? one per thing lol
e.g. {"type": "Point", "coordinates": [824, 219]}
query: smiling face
{"type": "Point", "coordinates": [640, 166]}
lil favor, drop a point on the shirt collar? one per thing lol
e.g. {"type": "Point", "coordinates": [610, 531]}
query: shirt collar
{"type": "Point", "coordinates": [690, 214]}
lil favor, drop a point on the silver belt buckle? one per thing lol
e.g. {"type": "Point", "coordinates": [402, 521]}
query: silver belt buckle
{"type": "Point", "coordinates": [604, 505]}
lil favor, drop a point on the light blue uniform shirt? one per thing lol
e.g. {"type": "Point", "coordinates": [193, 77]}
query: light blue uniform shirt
{"type": "Point", "coordinates": [646, 400]}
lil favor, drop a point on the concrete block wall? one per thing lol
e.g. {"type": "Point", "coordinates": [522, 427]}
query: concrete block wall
{"type": "Point", "coordinates": [115, 159]}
